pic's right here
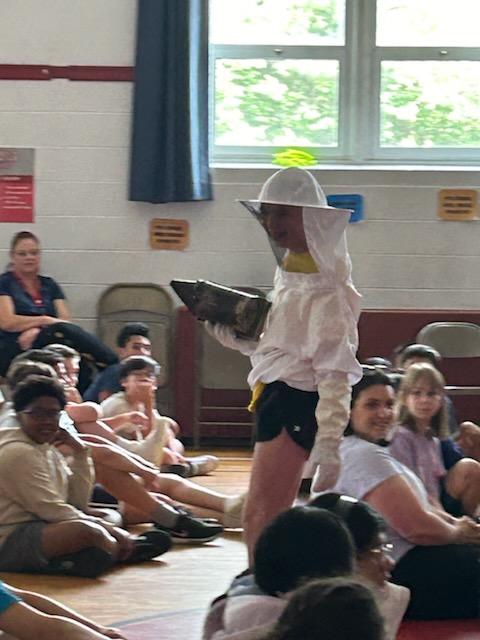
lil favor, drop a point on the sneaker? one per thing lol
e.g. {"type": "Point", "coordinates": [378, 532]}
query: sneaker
{"type": "Point", "coordinates": [149, 545]}
{"type": "Point", "coordinates": [187, 512]}
{"type": "Point", "coordinates": [190, 530]}
{"type": "Point", "coordinates": [201, 465]}
{"type": "Point", "coordinates": [182, 470]}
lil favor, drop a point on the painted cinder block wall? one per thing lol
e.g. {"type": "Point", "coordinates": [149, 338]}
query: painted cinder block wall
{"type": "Point", "coordinates": [92, 236]}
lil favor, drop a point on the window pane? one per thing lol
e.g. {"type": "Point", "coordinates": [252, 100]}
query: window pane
{"type": "Point", "coordinates": [430, 104]}
{"type": "Point", "coordinates": [303, 22]}
{"type": "Point", "coordinates": [428, 23]}
{"type": "Point", "coordinates": [276, 103]}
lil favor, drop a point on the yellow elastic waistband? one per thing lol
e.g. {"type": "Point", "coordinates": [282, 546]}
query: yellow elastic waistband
{"type": "Point", "coordinates": [256, 393]}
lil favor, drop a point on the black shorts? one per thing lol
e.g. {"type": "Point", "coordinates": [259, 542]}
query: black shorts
{"type": "Point", "coordinates": [444, 581]}
{"type": "Point", "coordinates": [283, 407]}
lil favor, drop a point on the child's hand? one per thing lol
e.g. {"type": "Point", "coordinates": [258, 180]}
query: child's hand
{"type": "Point", "coordinates": [73, 395]}
{"type": "Point", "coordinates": [137, 418]}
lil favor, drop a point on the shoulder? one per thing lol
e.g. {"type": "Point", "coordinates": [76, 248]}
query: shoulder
{"type": "Point", "coordinates": [403, 434]}
{"type": "Point", "coordinates": [111, 374]}
{"type": "Point", "coordinates": [353, 447]}
{"type": "Point", "coordinates": [107, 380]}
{"type": "Point", "coordinates": [117, 401]}
{"type": "Point", "coordinates": [15, 450]}
{"type": "Point", "coordinates": [364, 466]}
{"type": "Point", "coordinates": [51, 285]}
{"type": "Point", "coordinates": [6, 276]}
{"type": "Point", "coordinates": [6, 280]}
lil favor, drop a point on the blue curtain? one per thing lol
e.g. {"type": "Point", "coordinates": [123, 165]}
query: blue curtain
{"type": "Point", "coordinates": [169, 152]}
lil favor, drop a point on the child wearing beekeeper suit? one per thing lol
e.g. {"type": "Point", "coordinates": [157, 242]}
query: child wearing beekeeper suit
{"type": "Point", "coordinates": [304, 364]}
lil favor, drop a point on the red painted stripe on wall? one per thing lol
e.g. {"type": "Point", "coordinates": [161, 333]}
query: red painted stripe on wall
{"type": "Point", "coordinates": [71, 72]}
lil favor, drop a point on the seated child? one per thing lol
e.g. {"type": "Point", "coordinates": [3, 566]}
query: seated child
{"type": "Point", "coordinates": [299, 544]}
{"type": "Point", "coordinates": [374, 562]}
{"type": "Point", "coordinates": [139, 485]}
{"type": "Point", "coordinates": [336, 608]}
{"type": "Point", "coordinates": [423, 423]}
{"type": "Point", "coordinates": [138, 379]}
{"type": "Point", "coordinates": [44, 526]}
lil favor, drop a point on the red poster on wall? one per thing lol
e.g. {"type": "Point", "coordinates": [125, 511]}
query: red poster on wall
{"type": "Point", "coordinates": [16, 185]}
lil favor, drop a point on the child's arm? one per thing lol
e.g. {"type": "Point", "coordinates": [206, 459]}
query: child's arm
{"type": "Point", "coordinates": [54, 608]}
{"type": "Point", "coordinates": [24, 623]}
{"type": "Point", "coordinates": [84, 411]}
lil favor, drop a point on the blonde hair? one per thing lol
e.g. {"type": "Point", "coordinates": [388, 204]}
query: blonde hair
{"type": "Point", "coordinates": [414, 373]}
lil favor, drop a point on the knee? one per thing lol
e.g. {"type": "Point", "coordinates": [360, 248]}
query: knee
{"type": "Point", "coordinates": [87, 534]}
{"type": "Point", "coordinates": [468, 469]}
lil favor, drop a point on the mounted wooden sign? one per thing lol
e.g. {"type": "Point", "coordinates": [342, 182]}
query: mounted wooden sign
{"type": "Point", "coordinates": [172, 235]}
{"type": "Point", "coordinates": [458, 204]}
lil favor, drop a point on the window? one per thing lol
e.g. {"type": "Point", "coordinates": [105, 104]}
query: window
{"type": "Point", "coordinates": [348, 80]}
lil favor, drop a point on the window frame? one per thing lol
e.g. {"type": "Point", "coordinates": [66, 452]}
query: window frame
{"type": "Point", "coordinates": [360, 63]}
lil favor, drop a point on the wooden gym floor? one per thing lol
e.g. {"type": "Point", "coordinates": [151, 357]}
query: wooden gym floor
{"type": "Point", "coordinates": [186, 577]}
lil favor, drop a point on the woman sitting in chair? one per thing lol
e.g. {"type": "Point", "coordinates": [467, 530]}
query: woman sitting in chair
{"type": "Point", "coordinates": [33, 310]}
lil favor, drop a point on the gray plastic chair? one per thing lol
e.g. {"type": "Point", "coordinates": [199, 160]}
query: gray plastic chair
{"type": "Point", "coordinates": [141, 302]}
{"type": "Point", "coordinates": [452, 339]}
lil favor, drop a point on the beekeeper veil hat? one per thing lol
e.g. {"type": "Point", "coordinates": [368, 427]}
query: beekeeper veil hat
{"type": "Point", "coordinates": [324, 225]}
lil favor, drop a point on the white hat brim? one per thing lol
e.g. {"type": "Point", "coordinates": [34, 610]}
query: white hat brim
{"type": "Point", "coordinates": [254, 206]}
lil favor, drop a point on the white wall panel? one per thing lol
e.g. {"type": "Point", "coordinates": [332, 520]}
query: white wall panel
{"type": "Point", "coordinates": [61, 32]}
{"type": "Point", "coordinates": [43, 129]}
{"type": "Point", "coordinates": [418, 272]}
{"type": "Point", "coordinates": [55, 96]}
{"type": "Point", "coordinates": [404, 237]}
{"type": "Point", "coordinates": [89, 165]}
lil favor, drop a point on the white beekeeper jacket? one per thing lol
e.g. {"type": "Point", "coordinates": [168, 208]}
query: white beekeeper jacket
{"type": "Point", "coordinates": [310, 337]}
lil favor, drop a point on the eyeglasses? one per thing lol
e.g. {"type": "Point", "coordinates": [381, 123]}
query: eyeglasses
{"type": "Point", "coordinates": [144, 374]}
{"type": "Point", "coordinates": [42, 414]}
{"type": "Point", "coordinates": [25, 254]}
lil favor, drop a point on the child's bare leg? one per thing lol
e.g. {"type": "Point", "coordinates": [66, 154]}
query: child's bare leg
{"type": "Point", "coordinates": [203, 502]}
{"type": "Point", "coordinates": [188, 492]}
{"type": "Point", "coordinates": [98, 428]}
{"type": "Point", "coordinates": [132, 515]}
{"type": "Point", "coordinates": [463, 483]}
{"type": "Point", "coordinates": [129, 490]}
{"type": "Point", "coordinates": [73, 535]}
{"type": "Point", "coordinates": [116, 458]}
{"type": "Point", "coordinates": [275, 477]}
{"type": "Point", "coordinates": [176, 446]}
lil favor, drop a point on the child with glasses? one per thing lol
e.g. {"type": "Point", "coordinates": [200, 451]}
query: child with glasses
{"type": "Point", "coordinates": [373, 554]}
{"type": "Point", "coordinates": [44, 525]}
